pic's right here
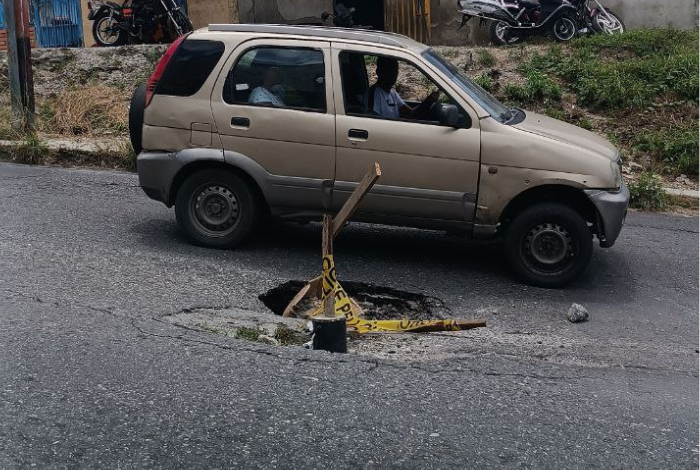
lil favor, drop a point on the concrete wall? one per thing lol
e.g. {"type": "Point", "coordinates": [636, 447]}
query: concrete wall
{"type": "Point", "coordinates": [282, 11]}
{"type": "Point", "coordinates": [206, 12]}
{"type": "Point", "coordinates": [655, 13]}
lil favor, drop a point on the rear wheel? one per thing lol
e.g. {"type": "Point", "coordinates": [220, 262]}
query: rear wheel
{"type": "Point", "coordinates": [564, 29]}
{"type": "Point", "coordinates": [216, 208]}
{"type": "Point", "coordinates": [106, 31]}
{"type": "Point", "coordinates": [502, 34]}
{"type": "Point", "coordinates": [549, 245]}
{"type": "Point", "coordinates": [604, 25]}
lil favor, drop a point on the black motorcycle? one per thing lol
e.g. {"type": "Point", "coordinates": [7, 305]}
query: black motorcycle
{"type": "Point", "coordinates": [597, 19]}
{"type": "Point", "coordinates": [521, 18]}
{"type": "Point", "coordinates": [137, 22]}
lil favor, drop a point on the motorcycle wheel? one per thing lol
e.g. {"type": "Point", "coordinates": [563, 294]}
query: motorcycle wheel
{"type": "Point", "coordinates": [501, 34]}
{"type": "Point", "coordinates": [602, 25]}
{"type": "Point", "coordinates": [564, 29]}
{"type": "Point", "coordinates": [107, 32]}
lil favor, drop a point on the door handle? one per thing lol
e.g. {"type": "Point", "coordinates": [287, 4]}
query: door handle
{"type": "Point", "coordinates": [358, 134]}
{"type": "Point", "coordinates": [240, 122]}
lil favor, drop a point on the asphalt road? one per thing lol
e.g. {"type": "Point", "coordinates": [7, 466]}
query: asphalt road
{"type": "Point", "coordinates": [91, 376]}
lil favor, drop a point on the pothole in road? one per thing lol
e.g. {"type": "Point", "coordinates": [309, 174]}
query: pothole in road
{"type": "Point", "coordinates": [377, 302]}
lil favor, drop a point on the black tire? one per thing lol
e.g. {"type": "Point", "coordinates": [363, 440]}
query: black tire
{"type": "Point", "coordinates": [216, 209]}
{"type": "Point", "coordinates": [599, 19]}
{"type": "Point", "coordinates": [564, 29]}
{"type": "Point", "coordinates": [498, 38]}
{"type": "Point", "coordinates": [136, 112]}
{"type": "Point", "coordinates": [548, 245]}
{"type": "Point", "coordinates": [103, 41]}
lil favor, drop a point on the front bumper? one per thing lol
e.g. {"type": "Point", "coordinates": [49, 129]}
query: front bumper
{"type": "Point", "coordinates": [612, 211]}
{"type": "Point", "coordinates": [157, 171]}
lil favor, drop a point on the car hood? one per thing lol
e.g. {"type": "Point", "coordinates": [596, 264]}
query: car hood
{"type": "Point", "coordinates": [567, 133]}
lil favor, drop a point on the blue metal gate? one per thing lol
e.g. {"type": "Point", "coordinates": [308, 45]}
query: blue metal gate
{"type": "Point", "coordinates": [2, 15]}
{"type": "Point", "coordinates": [58, 23]}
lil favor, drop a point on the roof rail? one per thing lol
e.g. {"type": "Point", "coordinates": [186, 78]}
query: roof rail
{"type": "Point", "coordinates": [366, 35]}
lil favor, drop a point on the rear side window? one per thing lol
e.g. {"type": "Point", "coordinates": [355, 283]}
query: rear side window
{"type": "Point", "coordinates": [278, 77]}
{"type": "Point", "coordinates": [194, 61]}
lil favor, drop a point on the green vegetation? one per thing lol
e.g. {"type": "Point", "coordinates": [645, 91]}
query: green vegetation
{"type": "Point", "coordinates": [676, 148]}
{"type": "Point", "coordinates": [635, 70]}
{"type": "Point", "coordinates": [485, 82]}
{"type": "Point", "coordinates": [486, 59]}
{"type": "Point", "coordinates": [647, 193]}
{"type": "Point", "coordinates": [248, 334]}
{"type": "Point", "coordinates": [289, 337]}
{"type": "Point", "coordinates": [538, 88]}
{"type": "Point", "coordinates": [32, 151]}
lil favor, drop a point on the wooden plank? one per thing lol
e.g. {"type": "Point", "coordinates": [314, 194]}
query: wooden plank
{"type": "Point", "coordinates": [356, 198]}
{"type": "Point", "coordinates": [327, 244]}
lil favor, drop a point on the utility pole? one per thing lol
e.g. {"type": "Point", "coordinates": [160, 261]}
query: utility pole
{"type": "Point", "coordinates": [19, 54]}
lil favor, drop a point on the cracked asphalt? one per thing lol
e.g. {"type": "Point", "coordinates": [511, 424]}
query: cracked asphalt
{"type": "Point", "coordinates": [93, 376]}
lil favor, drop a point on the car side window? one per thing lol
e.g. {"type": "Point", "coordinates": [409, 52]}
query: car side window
{"type": "Point", "coordinates": [279, 77]}
{"type": "Point", "coordinates": [383, 87]}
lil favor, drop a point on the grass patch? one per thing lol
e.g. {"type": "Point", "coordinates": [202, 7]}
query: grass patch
{"type": "Point", "coordinates": [676, 148]}
{"type": "Point", "coordinates": [646, 193]}
{"type": "Point", "coordinates": [80, 112]}
{"type": "Point", "coordinates": [485, 58]}
{"type": "Point", "coordinates": [636, 70]}
{"type": "Point", "coordinates": [538, 88]}
{"type": "Point", "coordinates": [289, 337]}
{"type": "Point", "coordinates": [32, 151]}
{"type": "Point", "coordinates": [484, 81]}
{"type": "Point", "coordinates": [249, 334]}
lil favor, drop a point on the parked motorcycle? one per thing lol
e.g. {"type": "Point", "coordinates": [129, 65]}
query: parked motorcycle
{"type": "Point", "coordinates": [511, 22]}
{"type": "Point", "coordinates": [596, 19]}
{"type": "Point", "coordinates": [138, 22]}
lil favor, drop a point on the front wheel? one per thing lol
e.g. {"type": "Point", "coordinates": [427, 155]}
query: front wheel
{"type": "Point", "coordinates": [107, 31]}
{"type": "Point", "coordinates": [502, 34]}
{"type": "Point", "coordinates": [564, 29]}
{"type": "Point", "coordinates": [548, 245]}
{"type": "Point", "coordinates": [216, 208]}
{"type": "Point", "coordinates": [608, 24]}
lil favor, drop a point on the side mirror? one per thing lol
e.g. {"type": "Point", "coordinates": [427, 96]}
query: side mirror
{"type": "Point", "coordinates": [449, 115]}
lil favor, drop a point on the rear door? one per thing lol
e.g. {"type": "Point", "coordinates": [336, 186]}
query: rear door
{"type": "Point", "coordinates": [273, 103]}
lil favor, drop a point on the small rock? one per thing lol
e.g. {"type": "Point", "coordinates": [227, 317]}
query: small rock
{"type": "Point", "coordinates": [435, 434]}
{"type": "Point", "coordinates": [577, 314]}
{"type": "Point", "coordinates": [268, 340]}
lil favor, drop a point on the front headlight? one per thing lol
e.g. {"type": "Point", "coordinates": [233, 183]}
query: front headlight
{"type": "Point", "coordinates": [616, 167]}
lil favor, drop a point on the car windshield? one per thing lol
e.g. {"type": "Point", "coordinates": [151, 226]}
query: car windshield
{"type": "Point", "coordinates": [481, 96]}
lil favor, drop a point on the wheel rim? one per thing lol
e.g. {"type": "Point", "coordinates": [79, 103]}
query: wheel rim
{"type": "Point", "coordinates": [612, 26]}
{"type": "Point", "coordinates": [215, 210]}
{"type": "Point", "coordinates": [549, 248]}
{"type": "Point", "coordinates": [107, 30]}
{"type": "Point", "coordinates": [565, 29]}
{"type": "Point", "coordinates": [502, 33]}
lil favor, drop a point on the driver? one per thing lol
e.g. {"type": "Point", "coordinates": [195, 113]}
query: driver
{"type": "Point", "coordinates": [382, 98]}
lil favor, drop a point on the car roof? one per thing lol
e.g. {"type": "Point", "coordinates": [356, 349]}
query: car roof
{"type": "Point", "coordinates": [321, 32]}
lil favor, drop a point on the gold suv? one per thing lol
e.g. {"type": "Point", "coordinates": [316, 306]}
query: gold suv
{"type": "Point", "coordinates": [241, 120]}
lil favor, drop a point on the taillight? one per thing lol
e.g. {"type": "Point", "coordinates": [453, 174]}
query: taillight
{"type": "Point", "coordinates": [127, 12]}
{"type": "Point", "coordinates": [160, 68]}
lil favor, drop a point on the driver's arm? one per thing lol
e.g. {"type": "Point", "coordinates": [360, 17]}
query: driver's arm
{"type": "Point", "coordinates": [409, 112]}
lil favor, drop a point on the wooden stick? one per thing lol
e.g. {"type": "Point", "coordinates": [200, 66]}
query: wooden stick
{"type": "Point", "coordinates": [327, 244]}
{"type": "Point", "coordinates": [356, 198]}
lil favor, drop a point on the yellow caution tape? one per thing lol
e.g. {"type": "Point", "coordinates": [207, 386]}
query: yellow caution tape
{"type": "Point", "coordinates": [344, 307]}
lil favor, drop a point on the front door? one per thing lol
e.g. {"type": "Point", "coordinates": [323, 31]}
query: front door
{"type": "Point", "coordinates": [274, 105]}
{"type": "Point", "coordinates": [429, 172]}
